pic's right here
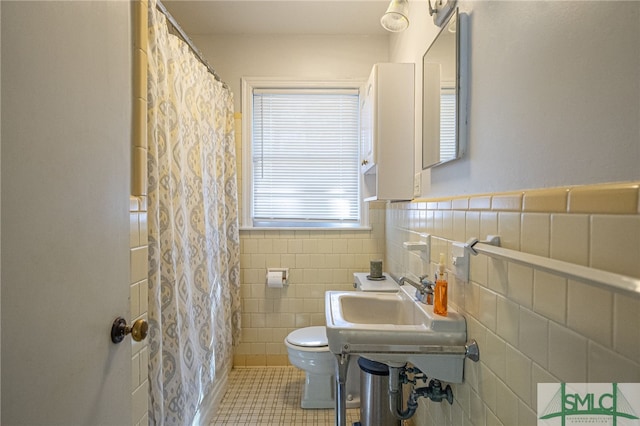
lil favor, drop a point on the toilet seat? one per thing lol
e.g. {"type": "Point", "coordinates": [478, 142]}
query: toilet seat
{"type": "Point", "coordinates": [311, 337]}
{"type": "Point", "coordinates": [308, 339]}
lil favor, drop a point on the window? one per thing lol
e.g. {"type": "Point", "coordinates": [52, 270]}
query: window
{"type": "Point", "coordinates": [301, 156]}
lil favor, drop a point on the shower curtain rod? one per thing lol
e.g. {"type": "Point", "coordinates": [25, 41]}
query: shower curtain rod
{"type": "Point", "coordinates": [187, 40]}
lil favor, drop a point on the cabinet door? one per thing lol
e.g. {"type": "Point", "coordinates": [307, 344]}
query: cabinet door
{"type": "Point", "coordinates": [367, 128]}
{"type": "Point", "coordinates": [387, 140]}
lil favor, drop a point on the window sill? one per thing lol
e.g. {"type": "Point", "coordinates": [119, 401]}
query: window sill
{"type": "Point", "coordinates": [303, 228]}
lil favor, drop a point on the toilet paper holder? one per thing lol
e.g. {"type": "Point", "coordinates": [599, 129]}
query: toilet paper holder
{"type": "Point", "coordinates": [282, 271]}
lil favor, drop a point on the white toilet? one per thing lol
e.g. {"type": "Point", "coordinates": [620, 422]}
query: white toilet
{"type": "Point", "coordinates": [308, 349]}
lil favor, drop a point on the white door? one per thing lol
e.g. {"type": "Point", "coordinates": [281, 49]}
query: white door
{"type": "Point", "coordinates": [65, 150]}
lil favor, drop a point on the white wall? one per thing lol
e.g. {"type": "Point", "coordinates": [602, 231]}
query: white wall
{"type": "Point", "coordinates": [303, 56]}
{"type": "Point", "coordinates": [554, 94]}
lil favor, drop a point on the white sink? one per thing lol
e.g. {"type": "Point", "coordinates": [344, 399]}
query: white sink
{"type": "Point", "coordinates": [394, 329]}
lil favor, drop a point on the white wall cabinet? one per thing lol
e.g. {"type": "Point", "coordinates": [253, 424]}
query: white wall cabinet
{"type": "Point", "coordinates": [387, 133]}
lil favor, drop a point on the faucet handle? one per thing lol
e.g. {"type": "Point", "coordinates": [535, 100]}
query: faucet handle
{"type": "Point", "coordinates": [421, 296]}
{"type": "Point", "coordinates": [426, 283]}
{"type": "Point", "coordinates": [425, 296]}
{"type": "Point", "coordinates": [428, 289]}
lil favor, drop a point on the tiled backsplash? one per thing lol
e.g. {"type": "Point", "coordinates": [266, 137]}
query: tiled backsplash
{"type": "Point", "coordinates": [532, 327]}
{"type": "Point", "coordinates": [139, 301]}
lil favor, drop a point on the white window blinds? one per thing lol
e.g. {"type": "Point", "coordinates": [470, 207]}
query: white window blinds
{"type": "Point", "coordinates": [305, 157]}
{"type": "Point", "coordinates": [447, 124]}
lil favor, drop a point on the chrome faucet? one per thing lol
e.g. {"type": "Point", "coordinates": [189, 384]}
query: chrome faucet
{"type": "Point", "coordinates": [424, 290]}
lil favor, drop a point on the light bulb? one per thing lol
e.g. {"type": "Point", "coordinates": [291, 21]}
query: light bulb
{"type": "Point", "coordinates": [396, 18]}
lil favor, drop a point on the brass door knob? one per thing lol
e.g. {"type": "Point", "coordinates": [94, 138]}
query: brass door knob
{"type": "Point", "coordinates": [120, 329]}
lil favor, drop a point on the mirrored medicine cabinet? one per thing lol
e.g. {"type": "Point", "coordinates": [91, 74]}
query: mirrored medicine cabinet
{"type": "Point", "coordinates": [444, 94]}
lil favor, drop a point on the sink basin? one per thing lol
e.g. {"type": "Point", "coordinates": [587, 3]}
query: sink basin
{"type": "Point", "coordinates": [382, 309]}
{"type": "Point", "coordinates": [393, 328]}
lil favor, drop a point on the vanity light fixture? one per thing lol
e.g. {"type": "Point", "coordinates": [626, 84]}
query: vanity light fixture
{"type": "Point", "coordinates": [441, 10]}
{"type": "Point", "coordinates": [396, 18]}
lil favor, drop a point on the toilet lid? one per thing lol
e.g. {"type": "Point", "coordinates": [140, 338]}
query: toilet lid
{"type": "Point", "coordinates": [309, 337]}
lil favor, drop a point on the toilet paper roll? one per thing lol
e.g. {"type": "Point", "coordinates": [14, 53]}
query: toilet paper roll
{"type": "Point", "coordinates": [274, 279]}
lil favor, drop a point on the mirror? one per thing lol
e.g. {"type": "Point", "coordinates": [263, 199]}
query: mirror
{"type": "Point", "coordinates": [444, 94]}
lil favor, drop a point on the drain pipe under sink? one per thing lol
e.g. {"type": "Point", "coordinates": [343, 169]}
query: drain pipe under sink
{"type": "Point", "coordinates": [434, 391]}
{"type": "Point", "coordinates": [395, 396]}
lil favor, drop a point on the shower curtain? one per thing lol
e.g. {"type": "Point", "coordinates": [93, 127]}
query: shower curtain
{"type": "Point", "coordinates": [194, 283]}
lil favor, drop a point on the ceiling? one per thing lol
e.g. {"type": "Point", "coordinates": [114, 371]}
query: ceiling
{"type": "Point", "coordinates": [269, 17]}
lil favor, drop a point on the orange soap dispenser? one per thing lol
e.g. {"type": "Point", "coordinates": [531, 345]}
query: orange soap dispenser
{"type": "Point", "coordinates": [440, 292]}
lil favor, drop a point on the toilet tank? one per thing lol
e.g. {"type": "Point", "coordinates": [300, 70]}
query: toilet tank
{"type": "Point", "coordinates": [362, 283]}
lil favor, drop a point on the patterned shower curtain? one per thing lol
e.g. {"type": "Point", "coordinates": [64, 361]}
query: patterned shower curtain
{"type": "Point", "coordinates": [194, 283]}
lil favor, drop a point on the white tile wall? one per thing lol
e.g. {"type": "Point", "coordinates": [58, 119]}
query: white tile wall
{"type": "Point", "coordinates": [532, 326]}
{"type": "Point", "coordinates": [550, 296]}
{"type": "Point", "coordinates": [535, 234]}
{"type": "Point", "coordinates": [567, 354]}
{"type": "Point", "coordinates": [626, 337]}
{"type": "Point", "coordinates": [614, 241]}
{"type": "Point", "coordinates": [139, 301]}
{"type": "Point", "coordinates": [532, 336]}
{"type": "Point", "coordinates": [570, 238]}
{"type": "Point", "coordinates": [520, 284]}
{"type": "Point", "coordinates": [590, 312]}
{"type": "Point", "coordinates": [508, 320]}
{"type": "Point", "coordinates": [318, 261]}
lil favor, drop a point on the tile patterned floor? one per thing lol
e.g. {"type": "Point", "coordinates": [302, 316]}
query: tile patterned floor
{"type": "Point", "coordinates": [270, 396]}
